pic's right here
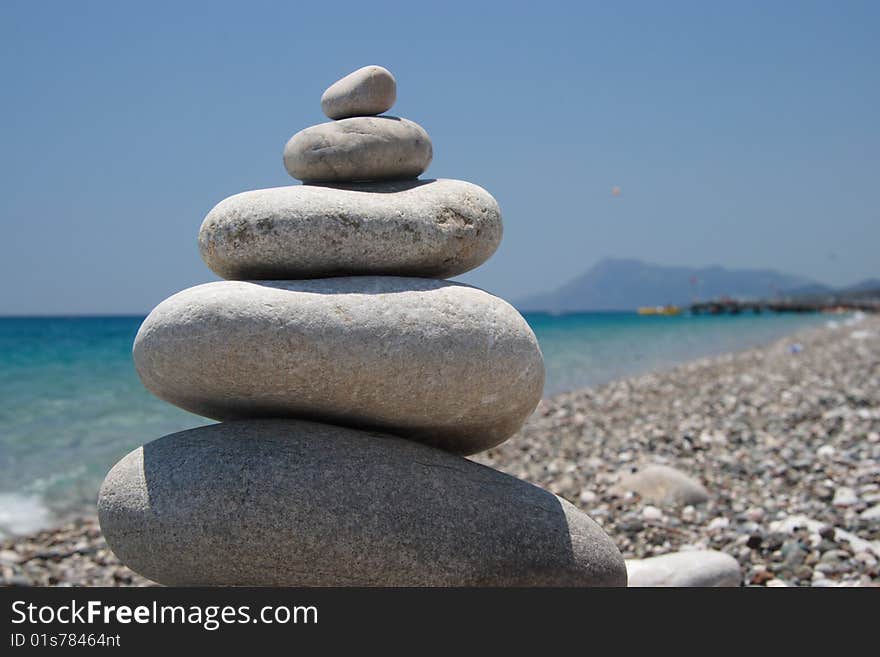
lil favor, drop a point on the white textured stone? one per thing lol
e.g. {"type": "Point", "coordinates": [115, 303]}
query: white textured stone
{"type": "Point", "coordinates": [432, 229]}
{"type": "Point", "coordinates": [652, 513]}
{"type": "Point", "coordinates": [845, 496]}
{"type": "Point", "coordinates": [693, 568]}
{"type": "Point", "coordinates": [443, 363]}
{"type": "Point", "coordinates": [660, 484]}
{"type": "Point", "coordinates": [872, 513]}
{"type": "Point", "coordinates": [359, 149]}
{"type": "Point", "coordinates": [365, 92]}
{"type": "Point", "coordinates": [717, 524]}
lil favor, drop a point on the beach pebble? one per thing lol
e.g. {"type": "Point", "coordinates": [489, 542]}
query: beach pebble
{"type": "Point", "coordinates": [754, 541]}
{"type": "Point", "coordinates": [587, 496]}
{"type": "Point", "coordinates": [432, 229]}
{"type": "Point", "coordinates": [866, 558]}
{"type": "Point", "coordinates": [652, 513]}
{"type": "Point", "coordinates": [365, 92]}
{"type": "Point", "coordinates": [692, 568]}
{"type": "Point", "coordinates": [359, 149]}
{"type": "Point", "coordinates": [845, 496]}
{"type": "Point", "coordinates": [10, 557]}
{"type": "Point", "coordinates": [754, 514]}
{"type": "Point", "coordinates": [293, 503]}
{"type": "Point", "coordinates": [717, 524]}
{"type": "Point", "coordinates": [819, 580]}
{"type": "Point", "coordinates": [442, 363]}
{"type": "Point", "coordinates": [872, 513]}
{"type": "Point", "coordinates": [663, 485]}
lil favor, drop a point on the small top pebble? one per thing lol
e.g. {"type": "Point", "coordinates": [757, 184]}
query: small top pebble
{"type": "Point", "coordinates": [367, 91]}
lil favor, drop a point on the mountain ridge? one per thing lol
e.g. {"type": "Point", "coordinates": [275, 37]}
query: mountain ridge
{"type": "Point", "coordinates": [628, 283]}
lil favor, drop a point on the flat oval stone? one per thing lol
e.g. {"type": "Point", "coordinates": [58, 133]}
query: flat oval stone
{"type": "Point", "coordinates": [432, 228]}
{"type": "Point", "coordinates": [359, 149]}
{"type": "Point", "coordinates": [439, 362]}
{"type": "Point", "coordinates": [692, 568]}
{"type": "Point", "coordinates": [660, 484]}
{"type": "Point", "coordinates": [292, 503]}
{"type": "Point", "coordinates": [365, 92]}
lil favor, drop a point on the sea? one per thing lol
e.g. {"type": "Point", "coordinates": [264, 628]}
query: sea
{"type": "Point", "coordinates": [71, 403]}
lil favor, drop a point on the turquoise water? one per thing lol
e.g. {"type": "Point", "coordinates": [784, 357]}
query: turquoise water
{"type": "Point", "coordinates": [71, 404]}
{"type": "Point", "coordinates": [592, 348]}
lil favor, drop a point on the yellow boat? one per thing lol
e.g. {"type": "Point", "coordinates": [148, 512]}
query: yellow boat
{"type": "Point", "coordinates": [659, 310]}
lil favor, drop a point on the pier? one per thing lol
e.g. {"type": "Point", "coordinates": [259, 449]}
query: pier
{"type": "Point", "coordinates": [736, 306]}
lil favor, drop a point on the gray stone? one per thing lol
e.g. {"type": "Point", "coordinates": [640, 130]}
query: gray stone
{"type": "Point", "coordinates": [293, 503]}
{"type": "Point", "coordinates": [660, 484]}
{"type": "Point", "coordinates": [845, 496]}
{"type": "Point", "coordinates": [443, 363]}
{"type": "Point", "coordinates": [359, 149]}
{"type": "Point", "coordinates": [365, 92]}
{"type": "Point", "coordinates": [432, 228]}
{"type": "Point", "coordinates": [872, 513]}
{"type": "Point", "coordinates": [697, 568]}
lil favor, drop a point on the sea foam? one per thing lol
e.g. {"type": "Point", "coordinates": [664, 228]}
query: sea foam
{"type": "Point", "coordinates": [22, 514]}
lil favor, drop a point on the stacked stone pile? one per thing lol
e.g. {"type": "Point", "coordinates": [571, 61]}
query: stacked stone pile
{"type": "Point", "coordinates": [349, 380]}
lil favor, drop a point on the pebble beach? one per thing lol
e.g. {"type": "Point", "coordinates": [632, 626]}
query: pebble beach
{"type": "Point", "coordinates": [783, 439]}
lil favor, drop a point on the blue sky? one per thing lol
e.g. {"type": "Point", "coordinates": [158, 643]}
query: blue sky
{"type": "Point", "coordinates": [743, 134]}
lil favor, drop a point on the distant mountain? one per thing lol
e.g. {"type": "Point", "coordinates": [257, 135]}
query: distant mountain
{"type": "Point", "coordinates": [869, 285]}
{"type": "Point", "coordinates": [814, 290]}
{"type": "Point", "coordinates": [625, 284]}
{"type": "Point", "coordinates": [867, 289]}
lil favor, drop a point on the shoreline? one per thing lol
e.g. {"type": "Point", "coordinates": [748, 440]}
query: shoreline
{"type": "Point", "coordinates": [774, 434]}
